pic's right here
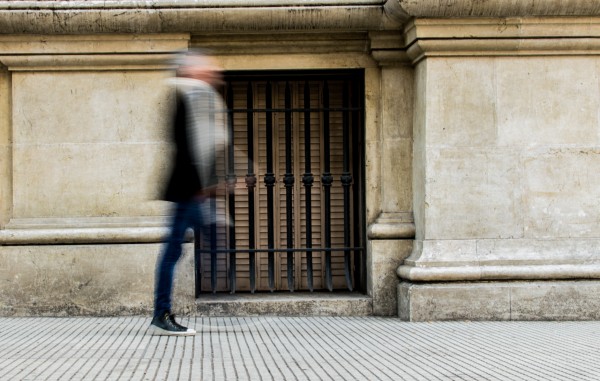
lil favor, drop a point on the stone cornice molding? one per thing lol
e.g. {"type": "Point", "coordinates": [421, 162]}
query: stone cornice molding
{"type": "Point", "coordinates": [401, 9]}
{"type": "Point", "coordinates": [489, 272]}
{"type": "Point", "coordinates": [81, 17]}
{"type": "Point", "coordinates": [159, 4]}
{"type": "Point", "coordinates": [81, 62]}
{"type": "Point", "coordinates": [90, 52]}
{"type": "Point", "coordinates": [502, 37]}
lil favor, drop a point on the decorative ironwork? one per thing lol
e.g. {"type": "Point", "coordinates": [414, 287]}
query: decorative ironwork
{"type": "Point", "coordinates": [343, 198]}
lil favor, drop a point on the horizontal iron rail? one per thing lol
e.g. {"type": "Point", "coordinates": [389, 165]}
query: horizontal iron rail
{"type": "Point", "coordinates": [294, 250]}
{"type": "Point", "coordinates": [334, 109]}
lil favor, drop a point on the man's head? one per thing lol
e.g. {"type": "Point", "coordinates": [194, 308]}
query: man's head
{"type": "Point", "coordinates": [198, 65]}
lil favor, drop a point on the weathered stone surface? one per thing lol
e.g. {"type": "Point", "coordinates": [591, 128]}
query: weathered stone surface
{"type": "Point", "coordinates": [561, 197]}
{"type": "Point", "coordinates": [493, 8]}
{"type": "Point", "coordinates": [292, 304]}
{"type": "Point", "coordinates": [112, 118]}
{"type": "Point", "coordinates": [5, 149]}
{"type": "Point", "coordinates": [546, 108]}
{"type": "Point", "coordinates": [71, 19]}
{"type": "Point", "coordinates": [562, 300]}
{"type": "Point", "coordinates": [87, 280]}
{"type": "Point", "coordinates": [460, 301]}
{"type": "Point", "coordinates": [384, 256]}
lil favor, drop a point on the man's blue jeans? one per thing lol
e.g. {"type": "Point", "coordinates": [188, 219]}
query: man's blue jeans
{"type": "Point", "coordinates": [188, 214]}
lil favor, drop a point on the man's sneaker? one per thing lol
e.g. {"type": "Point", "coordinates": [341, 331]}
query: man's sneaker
{"type": "Point", "coordinates": [166, 325]}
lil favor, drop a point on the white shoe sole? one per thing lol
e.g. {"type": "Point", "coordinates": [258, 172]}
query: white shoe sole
{"type": "Point", "coordinates": [157, 331]}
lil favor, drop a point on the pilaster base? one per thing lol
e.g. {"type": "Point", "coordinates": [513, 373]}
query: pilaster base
{"type": "Point", "coordinates": [540, 300]}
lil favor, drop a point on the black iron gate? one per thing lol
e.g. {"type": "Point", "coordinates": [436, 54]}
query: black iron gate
{"type": "Point", "coordinates": [293, 207]}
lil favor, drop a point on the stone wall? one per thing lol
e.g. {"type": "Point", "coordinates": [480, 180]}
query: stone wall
{"type": "Point", "coordinates": [481, 136]}
{"type": "Point", "coordinates": [83, 137]}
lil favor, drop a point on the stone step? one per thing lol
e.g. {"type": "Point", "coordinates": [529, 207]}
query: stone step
{"type": "Point", "coordinates": [285, 304]}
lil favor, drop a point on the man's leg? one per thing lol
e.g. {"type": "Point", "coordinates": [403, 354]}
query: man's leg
{"type": "Point", "coordinates": [164, 322]}
{"type": "Point", "coordinates": [184, 217]}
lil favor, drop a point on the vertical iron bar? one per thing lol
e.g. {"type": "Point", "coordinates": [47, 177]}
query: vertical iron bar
{"type": "Point", "coordinates": [270, 182]}
{"type": "Point", "coordinates": [213, 206]}
{"type": "Point", "coordinates": [231, 180]}
{"type": "Point", "coordinates": [197, 262]}
{"type": "Point", "coordinates": [327, 180]}
{"type": "Point", "coordinates": [356, 156]}
{"type": "Point", "coordinates": [308, 180]}
{"type": "Point", "coordinates": [251, 184]}
{"type": "Point", "coordinates": [288, 180]}
{"type": "Point", "coordinates": [346, 180]}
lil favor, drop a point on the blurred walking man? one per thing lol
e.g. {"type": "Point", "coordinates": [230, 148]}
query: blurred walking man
{"type": "Point", "coordinates": [199, 133]}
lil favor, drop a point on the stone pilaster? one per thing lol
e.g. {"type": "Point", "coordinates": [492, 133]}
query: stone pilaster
{"type": "Point", "coordinates": [505, 132]}
{"type": "Point", "coordinates": [390, 234]}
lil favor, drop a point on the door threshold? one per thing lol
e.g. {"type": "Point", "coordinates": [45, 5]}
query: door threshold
{"type": "Point", "coordinates": [285, 304]}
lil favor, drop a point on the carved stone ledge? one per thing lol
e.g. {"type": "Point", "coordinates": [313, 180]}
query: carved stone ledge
{"type": "Point", "coordinates": [70, 19]}
{"type": "Point", "coordinates": [83, 230]}
{"type": "Point", "coordinates": [11, 237]}
{"type": "Point", "coordinates": [392, 226]}
{"type": "Point", "coordinates": [485, 273]}
{"type": "Point", "coordinates": [88, 62]}
{"type": "Point", "coordinates": [90, 52]}
{"type": "Point", "coordinates": [502, 37]}
{"type": "Point", "coordinates": [401, 9]}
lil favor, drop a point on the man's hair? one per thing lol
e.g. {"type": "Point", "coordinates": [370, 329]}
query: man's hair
{"type": "Point", "coordinates": [191, 57]}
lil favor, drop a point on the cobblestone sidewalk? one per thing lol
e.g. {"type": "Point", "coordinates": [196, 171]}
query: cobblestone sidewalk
{"type": "Point", "coordinates": [302, 348]}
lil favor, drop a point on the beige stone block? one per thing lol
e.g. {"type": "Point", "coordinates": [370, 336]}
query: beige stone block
{"type": "Point", "coordinates": [544, 101]}
{"type": "Point", "coordinates": [78, 180]}
{"type": "Point", "coordinates": [372, 144]}
{"type": "Point", "coordinates": [419, 151]}
{"type": "Point", "coordinates": [560, 195]}
{"type": "Point", "coordinates": [90, 107]}
{"type": "Point", "coordinates": [93, 43]}
{"type": "Point", "coordinates": [548, 300]}
{"type": "Point", "coordinates": [372, 105]}
{"type": "Point", "coordinates": [5, 128]}
{"type": "Point", "coordinates": [396, 124]}
{"type": "Point", "coordinates": [574, 300]}
{"type": "Point", "coordinates": [384, 258]}
{"type": "Point", "coordinates": [397, 172]}
{"type": "Point", "coordinates": [546, 251]}
{"type": "Point", "coordinates": [5, 184]}
{"type": "Point", "coordinates": [87, 280]}
{"type": "Point", "coordinates": [444, 253]}
{"type": "Point", "coordinates": [372, 180]}
{"type": "Point", "coordinates": [397, 86]}
{"type": "Point", "coordinates": [5, 149]}
{"type": "Point", "coordinates": [473, 193]}
{"type": "Point", "coordinates": [284, 61]}
{"type": "Point", "coordinates": [461, 102]}
{"type": "Point", "coordinates": [453, 301]}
